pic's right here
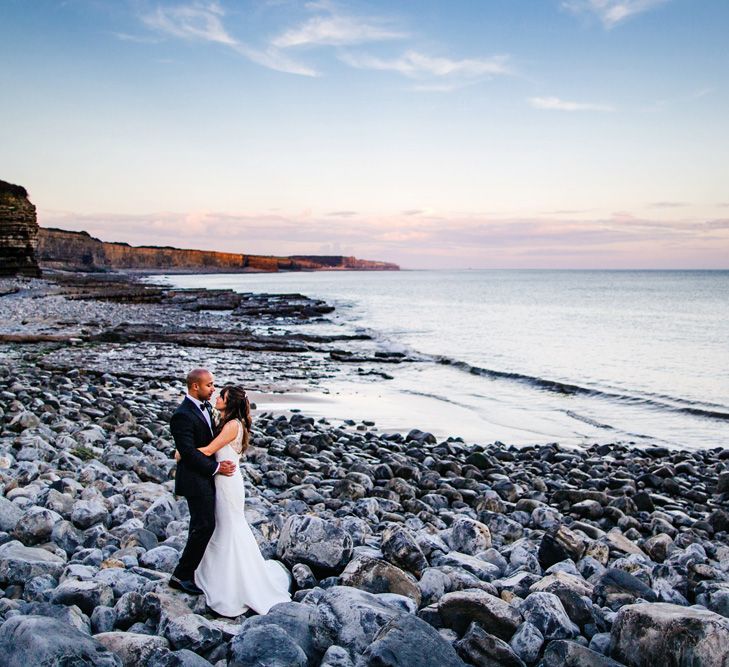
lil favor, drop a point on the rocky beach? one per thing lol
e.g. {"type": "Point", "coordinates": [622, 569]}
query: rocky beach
{"type": "Point", "coordinates": [403, 550]}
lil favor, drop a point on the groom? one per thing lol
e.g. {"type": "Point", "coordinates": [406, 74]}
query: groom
{"type": "Point", "coordinates": [192, 427]}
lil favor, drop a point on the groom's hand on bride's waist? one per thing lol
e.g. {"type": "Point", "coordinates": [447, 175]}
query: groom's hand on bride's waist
{"type": "Point", "coordinates": [226, 468]}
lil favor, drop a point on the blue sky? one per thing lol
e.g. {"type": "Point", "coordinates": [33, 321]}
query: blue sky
{"type": "Point", "coordinates": [493, 133]}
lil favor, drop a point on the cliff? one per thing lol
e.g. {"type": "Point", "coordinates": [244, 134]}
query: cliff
{"type": "Point", "coordinates": [18, 232]}
{"type": "Point", "coordinates": [62, 249]}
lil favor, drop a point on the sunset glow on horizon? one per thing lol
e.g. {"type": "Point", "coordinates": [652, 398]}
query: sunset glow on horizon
{"type": "Point", "coordinates": [558, 134]}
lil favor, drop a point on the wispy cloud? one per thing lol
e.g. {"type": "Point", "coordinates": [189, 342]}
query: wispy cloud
{"type": "Point", "coordinates": [611, 12]}
{"type": "Point", "coordinates": [198, 21]}
{"type": "Point", "coordinates": [440, 73]}
{"type": "Point", "coordinates": [203, 21]}
{"type": "Point", "coordinates": [336, 30]}
{"type": "Point", "coordinates": [557, 104]}
{"type": "Point", "coordinates": [669, 204]}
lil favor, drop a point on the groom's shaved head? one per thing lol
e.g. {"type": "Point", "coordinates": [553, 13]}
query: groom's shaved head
{"type": "Point", "coordinates": [197, 376]}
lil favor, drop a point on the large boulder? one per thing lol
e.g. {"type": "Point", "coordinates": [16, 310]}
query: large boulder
{"type": "Point", "coordinates": [350, 618]}
{"type": "Point", "coordinates": [36, 525]}
{"type": "Point", "coordinates": [43, 641]}
{"type": "Point", "coordinates": [86, 595]}
{"type": "Point", "coordinates": [458, 609]}
{"type": "Point", "coordinates": [406, 641]}
{"type": "Point", "coordinates": [10, 514]}
{"type": "Point", "coordinates": [266, 645]}
{"type": "Point", "coordinates": [468, 536]}
{"type": "Point", "coordinates": [562, 653]}
{"type": "Point", "coordinates": [134, 649]}
{"type": "Point", "coordinates": [644, 635]}
{"type": "Point", "coordinates": [19, 563]}
{"type": "Point", "coordinates": [479, 647]}
{"type": "Point", "coordinates": [293, 618]}
{"type": "Point", "coordinates": [545, 611]}
{"type": "Point", "coordinates": [400, 548]}
{"type": "Point", "coordinates": [320, 544]}
{"type": "Point", "coordinates": [378, 576]}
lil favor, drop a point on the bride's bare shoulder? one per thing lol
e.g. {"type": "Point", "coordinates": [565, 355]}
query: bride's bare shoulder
{"type": "Point", "coordinates": [230, 428]}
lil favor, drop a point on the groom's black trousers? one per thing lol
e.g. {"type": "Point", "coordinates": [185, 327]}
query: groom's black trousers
{"type": "Point", "coordinates": [202, 525]}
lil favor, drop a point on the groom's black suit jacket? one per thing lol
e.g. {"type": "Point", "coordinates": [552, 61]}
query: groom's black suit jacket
{"type": "Point", "coordinates": [195, 471]}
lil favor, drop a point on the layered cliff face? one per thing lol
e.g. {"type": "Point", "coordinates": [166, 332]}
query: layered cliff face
{"type": "Point", "coordinates": [80, 251]}
{"type": "Point", "coordinates": [18, 232]}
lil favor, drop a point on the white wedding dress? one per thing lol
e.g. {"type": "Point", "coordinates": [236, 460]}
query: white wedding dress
{"type": "Point", "coordinates": [233, 574]}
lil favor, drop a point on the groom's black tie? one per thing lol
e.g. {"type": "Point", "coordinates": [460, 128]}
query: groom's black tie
{"type": "Point", "coordinates": [209, 409]}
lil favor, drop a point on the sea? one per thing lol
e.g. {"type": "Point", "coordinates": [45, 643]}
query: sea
{"type": "Point", "coordinates": [528, 356]}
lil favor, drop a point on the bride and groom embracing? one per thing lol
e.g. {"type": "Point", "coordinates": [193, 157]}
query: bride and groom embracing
{"type": "Point", "coordinates": [221, 558]}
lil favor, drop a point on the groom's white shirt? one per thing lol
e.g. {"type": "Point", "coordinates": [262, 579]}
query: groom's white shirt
{"type": "Point", "coordinates": [206, 415]}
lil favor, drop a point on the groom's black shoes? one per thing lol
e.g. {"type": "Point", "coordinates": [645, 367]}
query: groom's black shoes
{"type": "Point", "coordinates": [188, 587]}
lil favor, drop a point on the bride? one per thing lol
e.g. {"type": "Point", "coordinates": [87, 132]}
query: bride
{"type": "Point", "coordinates": [233, 574]}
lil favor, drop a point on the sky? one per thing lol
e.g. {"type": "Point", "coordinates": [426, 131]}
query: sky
{"type": "Point", "coordinates": [433, 134]}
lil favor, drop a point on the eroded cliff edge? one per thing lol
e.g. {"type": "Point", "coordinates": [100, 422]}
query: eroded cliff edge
{"type": "Point", "coordinates": [61, 249]}
{"type": "Point", "coordinates": [18, 232]}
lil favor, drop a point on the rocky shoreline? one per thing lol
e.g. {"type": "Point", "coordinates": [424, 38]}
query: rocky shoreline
{"type": "Point", "coordinates": [402, 550]}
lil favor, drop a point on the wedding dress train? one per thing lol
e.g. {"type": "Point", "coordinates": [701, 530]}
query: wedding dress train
{"type": "Point", "coordinates": [233, 573]}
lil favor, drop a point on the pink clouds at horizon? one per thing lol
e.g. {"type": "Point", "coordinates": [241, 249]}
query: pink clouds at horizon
{"type": "Point", "coordinates": [416, 239]}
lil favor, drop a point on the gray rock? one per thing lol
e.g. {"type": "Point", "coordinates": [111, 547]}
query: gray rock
{"type": "Point", "coordinates": [408, 640]}
{"type": "Point", "coordinates": [86, 595]}
{"type": "Point", "coordinates": [350, 618]}
{"type": "Point", "coordinates": [24, 420]}
{"type": "Point", "coordinates": [502, 528]}
{"type": "Point", "coordinates": [36, 525]}
{"type": "Point", "coordinates": [645, 635]}
{"type": "Point", "coordinates": [191, 631]}
{"type": "Point", "coordinates": [60, 502]}
{"type": "Point", "coordinates": [315, 542]}
{"type": "Point", "coordinates": [38, 640]}
{"type": "Point", "coordinates": [480, 568]}
{"type": "Point", "coordinates": [296, 620]}
{"type": "Point", "coordinates": [181, 658]}
{"type": "Point", "coordinates": [39, 588]}
{"type": "Point", "coordinates": [162, 559]}
{"type": "Point", "coordinates": [600, 643]}
{"type": "Point", "coordinates": [400, 548]}
{"type": "Point", "coordinates": [103, 619]}
{"type": "Point", "coordinates": [10, 514]}
{"type": "Point", "coordinates": [573, 592]}
{"type": "Point", "coordinates": [303, 576]}
{"type": "Point", "coordinates": [563, 653]}
{"type": "Point", "coordinates": [19, 563]}
{"type": "Point", "coordinates": [459, 609]}
{"type": "Point", "coordinates": [124, 581]}
{"type": "Point", "coordinates": [378, 576]}
{"type": "Point", "coordinates": [266, 645]}
{"type": "Point", "coordinates": [519, 583]}
{"type": "Point", "coordinates": [72, 615]}
{"type": "Point", "coordinates": [545, 611]}
{"type": "Point", "coordinates": [87, 513]}
{"type": "Point", "coordinates": [132, 648]}
{"type": "Point", "coordinates": [480, 648]}
{"type": "Point", "coordinates": [67, 536]}
{"type": "Point", "coordinates": [658, 547]}
{"type": "Point", "coordinates": [160, 514]}
{"type": "Point", "coordinates": [622, 587]}
{"type": "Point", "coordinates": [527, 642]}
{"type": "Point", "coordinates": [560, 544]}
{"type": "Point", "coordinates": [336, 656]}
{"type": "Point", "coordinates": [468, 536]}
{"type": "Point", "coordinates": [128, 610]}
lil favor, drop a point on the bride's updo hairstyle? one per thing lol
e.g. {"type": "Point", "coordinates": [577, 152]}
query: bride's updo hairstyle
{"type": "Point", "coordinates": [237, 406]}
